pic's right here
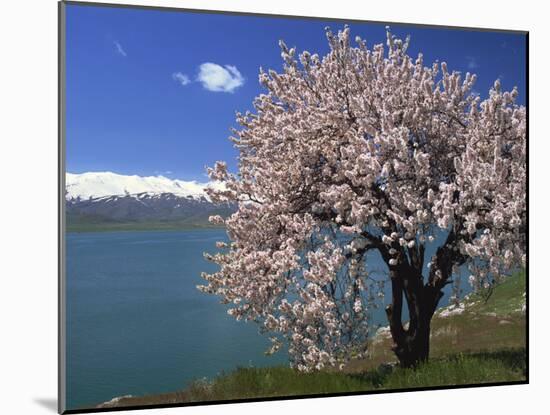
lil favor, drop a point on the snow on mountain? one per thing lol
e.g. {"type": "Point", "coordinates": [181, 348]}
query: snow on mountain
{"type": "Point", "coordinates": [95, 185]}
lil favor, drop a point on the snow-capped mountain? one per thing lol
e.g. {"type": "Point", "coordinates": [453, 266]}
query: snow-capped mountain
{"type": "Point", "coordinates": [96, 185]}
{"type": "Point", "coordinates": [109, 200]}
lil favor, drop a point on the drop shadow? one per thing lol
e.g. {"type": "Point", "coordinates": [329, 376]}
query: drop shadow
{"type": "Point", "coordinates": [48, 403]}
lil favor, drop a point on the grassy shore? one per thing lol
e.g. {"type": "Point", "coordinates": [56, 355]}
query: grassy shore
{"type": "Point", "coordinates": [478, 342]}
{"type": "Point", "coordinates": [139, 226]}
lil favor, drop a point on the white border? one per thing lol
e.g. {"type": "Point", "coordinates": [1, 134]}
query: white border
{"type": "Point", "coordinates": [28, 232]}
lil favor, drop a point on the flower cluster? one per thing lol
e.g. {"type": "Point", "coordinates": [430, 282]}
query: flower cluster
{"type": "Point", "coordinates": [363, 149]}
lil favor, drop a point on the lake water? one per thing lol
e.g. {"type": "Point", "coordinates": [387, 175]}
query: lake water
{"type": "Point", "coordinates": [136, 324]}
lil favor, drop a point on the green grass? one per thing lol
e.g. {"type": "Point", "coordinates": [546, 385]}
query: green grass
{"type": "Point", "coordinates": [484, 344]}
{"type": "Point", "coordinates": [462, 369]}
{"type": "Point", "coordinates": [138, 226]}
{"type": "Point", "coordinates": [274, 381]}
{"type": "Point", "coordinates": [506, 299]}
{"type": "Point", "coordinates": [502, 366]}
{"type": "Point", "coordinates": [497, 323]}
{"type": "Point", "coordinates": [250, 383]}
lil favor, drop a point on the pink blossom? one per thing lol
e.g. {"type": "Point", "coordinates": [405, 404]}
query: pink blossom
{"type": "Point", "coordinates": [363, 150]}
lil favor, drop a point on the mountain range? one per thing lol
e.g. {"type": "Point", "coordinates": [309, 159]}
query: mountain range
{"type": "Point", "coordinates": [110, 201]}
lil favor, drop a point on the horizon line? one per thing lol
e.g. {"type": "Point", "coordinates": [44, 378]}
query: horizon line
{"type": "Point", "coordinates": [159, 175]}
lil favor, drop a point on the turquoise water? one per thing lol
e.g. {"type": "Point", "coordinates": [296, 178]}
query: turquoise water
{"type": "Point", "coordinates": [136, 324]}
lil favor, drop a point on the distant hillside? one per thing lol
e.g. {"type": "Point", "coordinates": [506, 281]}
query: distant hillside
{"type": "Point", "coordinates": [109, 201]}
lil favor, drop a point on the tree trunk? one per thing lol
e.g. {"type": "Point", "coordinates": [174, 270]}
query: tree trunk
{"type": "Point", "coordinates": [413, 348]}
{"type": "Point", "coordinates": [411, 345]}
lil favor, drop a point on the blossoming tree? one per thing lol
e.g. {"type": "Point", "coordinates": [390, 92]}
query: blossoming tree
{"type": "Point", "coordinates": [366, 150]}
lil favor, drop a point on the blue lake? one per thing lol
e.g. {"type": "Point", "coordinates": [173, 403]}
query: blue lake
{"type": "Point", "coordinates": [136, 324]}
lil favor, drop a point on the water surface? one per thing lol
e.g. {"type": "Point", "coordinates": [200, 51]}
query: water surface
{"type": "Point", "coordinates": [136, 324]}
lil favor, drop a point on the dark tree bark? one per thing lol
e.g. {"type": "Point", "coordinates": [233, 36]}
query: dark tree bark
{"type": "Point", "coordinates": [411, 345]}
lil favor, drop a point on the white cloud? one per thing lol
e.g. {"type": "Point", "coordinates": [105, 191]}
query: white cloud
{"type": "Point", "coordinates": [119, 49]}
{"type": "Point", "coordinates": [181, 78]}
{"type": "Point", "coordinates": [472, 62]}
{"type": "Point", "coordinates": [217, 78]}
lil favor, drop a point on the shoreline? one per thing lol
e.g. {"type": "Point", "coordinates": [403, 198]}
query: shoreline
{"type": "Point", "coordinates": [473, 329]}
{"type": "Point", "coordinates": [102, 229]}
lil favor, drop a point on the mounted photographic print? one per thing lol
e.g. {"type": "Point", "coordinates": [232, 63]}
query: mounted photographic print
{"type": "Point", "coordinates": [256, 207]}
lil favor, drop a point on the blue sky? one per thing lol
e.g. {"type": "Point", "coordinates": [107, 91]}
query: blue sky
{"type": "Point", "coordinates": [154, 92]}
